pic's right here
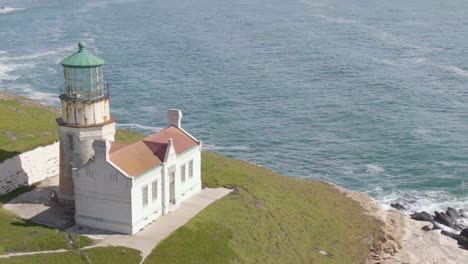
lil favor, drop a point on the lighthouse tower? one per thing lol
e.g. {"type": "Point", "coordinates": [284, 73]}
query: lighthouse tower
{"type": "Point", "coordinates": [85, 115]}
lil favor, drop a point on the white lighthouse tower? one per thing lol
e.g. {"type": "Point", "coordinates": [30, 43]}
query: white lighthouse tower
{"type": "Point", "coordinates": [85, 115]}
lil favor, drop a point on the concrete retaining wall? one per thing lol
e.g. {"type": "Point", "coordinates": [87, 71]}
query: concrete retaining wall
{"type": "Point", "coordinates": [29, 167]}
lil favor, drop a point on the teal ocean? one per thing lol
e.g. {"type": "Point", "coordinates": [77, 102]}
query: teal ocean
{"type": "Point", "coordinates": [368, 94]}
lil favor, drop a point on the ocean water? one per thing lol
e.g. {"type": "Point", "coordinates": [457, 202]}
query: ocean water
{"type": "Point", "coordinates": [369, 94]}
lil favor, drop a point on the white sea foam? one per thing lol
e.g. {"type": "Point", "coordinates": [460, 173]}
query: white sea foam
{"type": "Point", "coordinates": [416, 201]}
{"type": "Point", "coordinates": [396, 41]}
{"type": "Point", "coordinates": [6, 10]}
{"type": "Point", "coordinates": [313, 3]}
{"type": "Point", "coordinates": [456, 70]}
{"type": "Point", "coordinates": [386, 62]}
{"type": "Point", "coordinates": [138, 127]}
{"type": "Point", "coordinates": [7, 70]}
{"type": "Point", "coordinates": [374, 169]}
{"type": "Point", "coordinates": [450, 68]}
{"type": "Point", "coordinates": [214, 147]}
{"type": "Point", "coordinates": [447, 163]}
{"type": "Point", "coordinates": [337, 20]}
{"type": "Point", "coordinates": [40, 54]}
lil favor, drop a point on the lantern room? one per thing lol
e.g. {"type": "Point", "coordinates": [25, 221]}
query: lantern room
{"type": "Point", "coordinates": [83, 76]}
{"type": "Point", "coordinates": [84, 97]}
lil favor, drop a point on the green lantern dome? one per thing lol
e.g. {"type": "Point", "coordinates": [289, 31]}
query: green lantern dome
{"type": "Point", "coordinates": [82, 59]}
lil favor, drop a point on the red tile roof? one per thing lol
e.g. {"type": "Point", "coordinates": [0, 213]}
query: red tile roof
{"type": "Point", "coordinates": [135, 159]}
{"type": "Point", "coordinates": [144, 155]}
{"type": "Point", "coordinates": [181, 140]}
{"type": "Point", "coordinates": [116, 145]}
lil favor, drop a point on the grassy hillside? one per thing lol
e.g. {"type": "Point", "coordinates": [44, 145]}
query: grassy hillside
{"type": "Point", "coordinates": [25, 125]}
{"type": "Point", "coordinates": [270, 218]}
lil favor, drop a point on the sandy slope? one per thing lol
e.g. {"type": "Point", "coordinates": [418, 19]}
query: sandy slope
{"type": "Point", "coordinates": [405, 241]}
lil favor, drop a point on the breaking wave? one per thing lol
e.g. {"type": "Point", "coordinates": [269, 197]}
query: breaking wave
{"type": "Point", "coordinates": [6, 10]}
{"type": "Point", "coordinates": [374, 169]}
{"type": "Point", "coordinates": [416, 201]}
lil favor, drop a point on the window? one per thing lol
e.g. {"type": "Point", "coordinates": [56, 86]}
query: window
{"type": "Point", "coordinates": [154, 189]}
{"type": "Point", "coordinates": [71, 143]}
{"type": "Point", "coordinates": [182, 173]}
{"type": "Point", "coordinates": [190, 170]}
{"type": "Point", "coordinates": [145, 196]}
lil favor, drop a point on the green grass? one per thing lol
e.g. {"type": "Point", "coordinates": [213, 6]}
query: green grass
{"type": "Point", "coordinates": [270, 218]}
{"type": "Point", "coordinates": [128, 136]}
{"type": "Point", "coordinates": [25, 127]}
{"type": "Point", "coordinates": [99, 255]}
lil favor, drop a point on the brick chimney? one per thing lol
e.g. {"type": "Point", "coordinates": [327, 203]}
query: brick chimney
{"type": "Point", "coordinates": [174, 117]}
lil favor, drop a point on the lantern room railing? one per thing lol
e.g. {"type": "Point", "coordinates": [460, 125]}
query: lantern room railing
{"type": "Point", "coordinates": [82, 95]}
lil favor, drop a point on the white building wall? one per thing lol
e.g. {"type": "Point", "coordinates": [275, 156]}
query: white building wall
{"type": "Point", "coordinates": [143, 215]}
{"type": "Point", "coordinates": [29, 167]}
{"type": "Point", "coordinates": [103, 197]}
{"type": "Point", "coordinates": [191, 185]}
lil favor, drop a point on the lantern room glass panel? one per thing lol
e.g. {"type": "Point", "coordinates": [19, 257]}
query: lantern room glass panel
{"type": "Point", "coordinates": [84, 83]}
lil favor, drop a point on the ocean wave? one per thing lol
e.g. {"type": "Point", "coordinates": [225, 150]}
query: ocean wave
{"type": "Point", "coordinates": [140, 128]}
{"type": "Point", "coordinates": [450, 68]}
{"type": "Point", "coordinates": [28, 91]}
{"type": "Point", "coordinates": [214, 147]}
{"type": "Point", "coordinates": [337, 20]}
{"type": "Point", "coordinates": [7, 70]}
{"type": "Point", "coordinates": [396, 41]}
{"type": "Point", "coordinates": [313, 3]}
{"type": "Point", "coordinates": [416, 201]}
{"type": "Point", "coordinates": [6, 10]}
{"type": "Point", "coordinates": [374, 169]}
{"type": "Point", "coordinates": [456, 70]}
{"type": "Point", "coordinates": [40, 54]}
{"type": "Point", "coordinates": [386, 62]}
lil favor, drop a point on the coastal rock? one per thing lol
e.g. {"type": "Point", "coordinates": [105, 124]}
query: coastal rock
{"type": "Point", "coordinates": [426, 228]}
{"type": "Point", "coordinates": [462, 213]}
{"type": "Point", "coordinates": [462, 238]}
{"type": "Point", "coordinates": [464, 233]}
{"type": "Point", "coordinates": [450, 234]}
{"type": "Point", "coordinates": [452, 213]}
{"type": "Point", "coordinates": [398, 206]}
{"type": "Point", "coordinates": [446, 220]}
{"type": "Point", "coordinates": [421, 216]}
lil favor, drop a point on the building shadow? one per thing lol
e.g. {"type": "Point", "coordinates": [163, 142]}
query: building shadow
{"type": "Point", "coordinates": [12, 174]}
{"type": "Point", "coordinates": [5, 154]}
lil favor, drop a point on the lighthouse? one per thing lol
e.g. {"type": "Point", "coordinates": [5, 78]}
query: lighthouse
{"type": "Point", "coordinates": [85, 115]}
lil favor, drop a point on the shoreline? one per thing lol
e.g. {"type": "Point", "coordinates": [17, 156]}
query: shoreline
{"type": "Point", "coordinates": [405, 240]}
